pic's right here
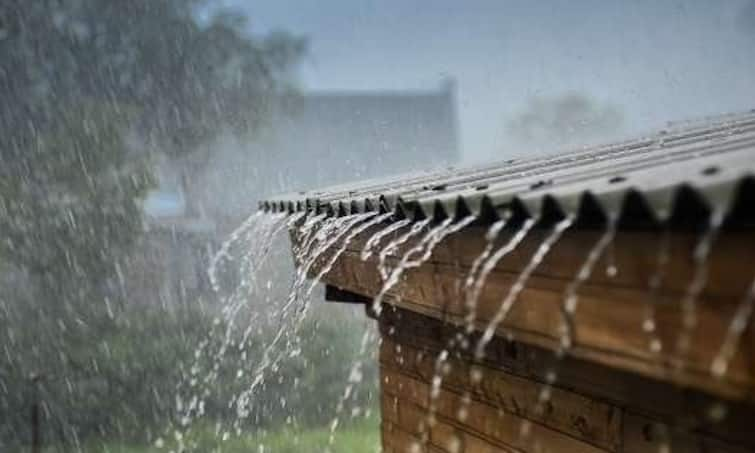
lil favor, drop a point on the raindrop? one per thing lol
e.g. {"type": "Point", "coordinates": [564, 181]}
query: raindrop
{"type": "Point", "coordinates": [739, 323]}
{"type": "Point", "coordinates": [520, 283]}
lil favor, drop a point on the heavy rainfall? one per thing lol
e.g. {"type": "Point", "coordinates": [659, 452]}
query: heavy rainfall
{"type": "Point", "coordinates": [154, 299]}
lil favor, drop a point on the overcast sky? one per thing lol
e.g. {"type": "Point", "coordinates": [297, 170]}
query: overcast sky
{"type": "Point", "coordinates": [655, 60]}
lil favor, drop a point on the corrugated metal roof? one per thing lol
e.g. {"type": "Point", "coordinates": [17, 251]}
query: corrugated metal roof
{"type": "Point", "coordinates": [652, 179]}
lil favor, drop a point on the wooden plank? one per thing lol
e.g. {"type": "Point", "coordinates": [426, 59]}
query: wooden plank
{"type": "Point", "coordinates": [442, 435]}
{"type": "Point", "coordinates": [659, 399]}
{"type": "Point", "coordinates": [482, 420]}
{"type": "Point", "coordinates": [643, 434]}
{"type": "Point", "coordinates": [576, 415]}
{"type": "Point", "coordinates": [634, 253]}
{"type": "Point", "coordinates": [398, 440]}
{"type": "Point", "coordinates": [608, 321]}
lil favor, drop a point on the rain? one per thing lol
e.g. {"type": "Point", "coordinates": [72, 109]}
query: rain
{"type": "Point", "coordinates": [362, 226]}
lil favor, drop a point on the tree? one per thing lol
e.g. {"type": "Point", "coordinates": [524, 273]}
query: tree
{"type": "Point", "coordinates": [567, 119]}
{"type": "Point", "coordinates": [89, 89]}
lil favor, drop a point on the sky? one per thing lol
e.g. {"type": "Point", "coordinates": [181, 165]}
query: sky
{"type": "Point", "coordinates": [654, 60]}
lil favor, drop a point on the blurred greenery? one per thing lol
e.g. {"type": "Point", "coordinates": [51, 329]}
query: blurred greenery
{"type": "Point", "coordinates": [91, 90]}
{"type": "Point", "coordinates": [361, 435]}
{"type": "Point", "coordinates": [124, 384]}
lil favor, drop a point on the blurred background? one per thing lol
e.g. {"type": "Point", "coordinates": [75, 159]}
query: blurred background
{"type": "Point", "coordinates": [135, 137]}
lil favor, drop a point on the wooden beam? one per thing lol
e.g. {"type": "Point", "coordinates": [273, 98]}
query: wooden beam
{"type": "Point", "coordinates": [611, 310]}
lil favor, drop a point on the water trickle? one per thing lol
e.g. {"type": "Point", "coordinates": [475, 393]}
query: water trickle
{"type": "Point", "coordinates": [569, 308]}
{"type": "Point", "coordinates": [254, 237]}
{"type": "Point", "coordinates": [382, 256]}
{"type": "Point", "coordinates": [440, 364]}
{"type": "Point", "coordinates": [654, 288]}
{"type": "Point", "coordinates": [490, 237]}
{"type": "Point", "coordinates": [424, 249]}
{"type": "Point", "coordinates": [355, 377]}
{"type": "Point", "coordinates": [330, 230]}
{"type": "Point", "coordinates": [355, 220]}
{"type": "Point", "coordinates": [697, 283]}
{"type": "Point", "coordinates": [393, 245]}
{"type": "Point", "coordinates": [223, 253]}
{"type": "Point", "coordinates": [487, 267]}
{"type": "Point", "coordinates": [571, 294]}
{"type": "Point", "coordinates": [739, 323]}
{"type": "Point", "coordinates": [519, 284]}
{"type": "Point", "coordinates": [373, 241]}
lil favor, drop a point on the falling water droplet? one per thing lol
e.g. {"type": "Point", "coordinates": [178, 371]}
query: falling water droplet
{"type": "Point", "coordinates": [739, 323]}
{"type": "Point", "coordinates": [487, 268]}
{"type": "Point", "coordinates": [424, 249]}
{"type": "Point", "coordinates": [654, 288]}
{"type": "Point", "coordinates": [519, 284]}
{"type": "Point", "coordinates": [697, 284]}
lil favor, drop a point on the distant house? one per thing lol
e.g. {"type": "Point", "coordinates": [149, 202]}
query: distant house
{"type": "Point", "coordinates": [312, 139]}
{"type": "Point", "coordinates": [328, 138]}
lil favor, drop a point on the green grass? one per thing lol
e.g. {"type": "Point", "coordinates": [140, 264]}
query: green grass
{"type": "Point", "coordinates": [356, 437]}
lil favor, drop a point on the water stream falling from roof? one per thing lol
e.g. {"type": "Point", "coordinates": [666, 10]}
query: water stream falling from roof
{"type": "Point", "coordinates": [375, 239]}
{"type": "Point", "coordinates": [569, 305]}
{"type": "Point", "coordinates": [519, 284]}
{"type": "Point", "coordinates": [571, 294]}
{"type": "Point", "coordinates": [490, 237]}
{"type": "Point", "coordinates": [256, 235]}
{"type": "Point", "coordinates": [423, 249]}
{"type": "Point", "coordinates": [739, 323]}
{"type": "Point", "coordinates": [328, 233]}
{"type": "Point", "coordinates": [415, 229]}
{"type": "Point", "coordinates": [487, 268]}
{"type": "Point", "coordinates": [473, 284]}
{"type": "Point", "coordinates": [476, 375]}
{"type": "Point", "coordinates": [697, 284]}
{"type": "Point", "coordinates": [223, 253]}
{"type": "Point", "coordinates": [354, 378]}
{"type": "Point", "coordinates": [397, 242]}
{"type": "Point", "coordinates": [649, 324]}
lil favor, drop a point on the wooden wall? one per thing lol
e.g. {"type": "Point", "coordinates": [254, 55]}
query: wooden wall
{"type": "Point", "coordinates": [592, 408]}
{"type": "Point", "coordinates": [613, 391]}
{"type": "Point", "coordinates": [612, 309]}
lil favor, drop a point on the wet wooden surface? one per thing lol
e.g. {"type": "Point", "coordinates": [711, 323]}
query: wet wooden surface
{"type": "Point", "coordinates": [611, 309]}
{"type": "Point", "coordinates": [591, 409]}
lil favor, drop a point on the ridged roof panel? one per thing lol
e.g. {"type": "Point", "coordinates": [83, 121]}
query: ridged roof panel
{"type": "Point", "coordinates": [714, 162]}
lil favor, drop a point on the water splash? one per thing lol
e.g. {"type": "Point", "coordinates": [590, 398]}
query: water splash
{"type": "Point", "coordinates": [697, 284]}
{"type": "Point", "coordinates": [520, 283]}
{"type": "Point", "coordinates": [739, 323]}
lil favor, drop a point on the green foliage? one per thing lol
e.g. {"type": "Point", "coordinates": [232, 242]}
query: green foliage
{"type": "Point", "coordinates": [89, 89]}
{"type": "Point", "coordinates": [360, 436]}
{"type": "Point", "coordinates": [187, 78]}
{"type": "Point", "coordinates": [118, 379]}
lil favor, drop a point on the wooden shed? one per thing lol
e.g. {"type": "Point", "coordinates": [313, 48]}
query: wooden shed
{"type": "Point", "coordinates": [595, 301]}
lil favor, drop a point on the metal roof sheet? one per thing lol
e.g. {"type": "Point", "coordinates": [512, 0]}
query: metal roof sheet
{"type": "Point", "coordinates": [704, 168]}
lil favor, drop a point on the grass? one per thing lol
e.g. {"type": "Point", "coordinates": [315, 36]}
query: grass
{"type": "Point", "coordinates": [356, 437]}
